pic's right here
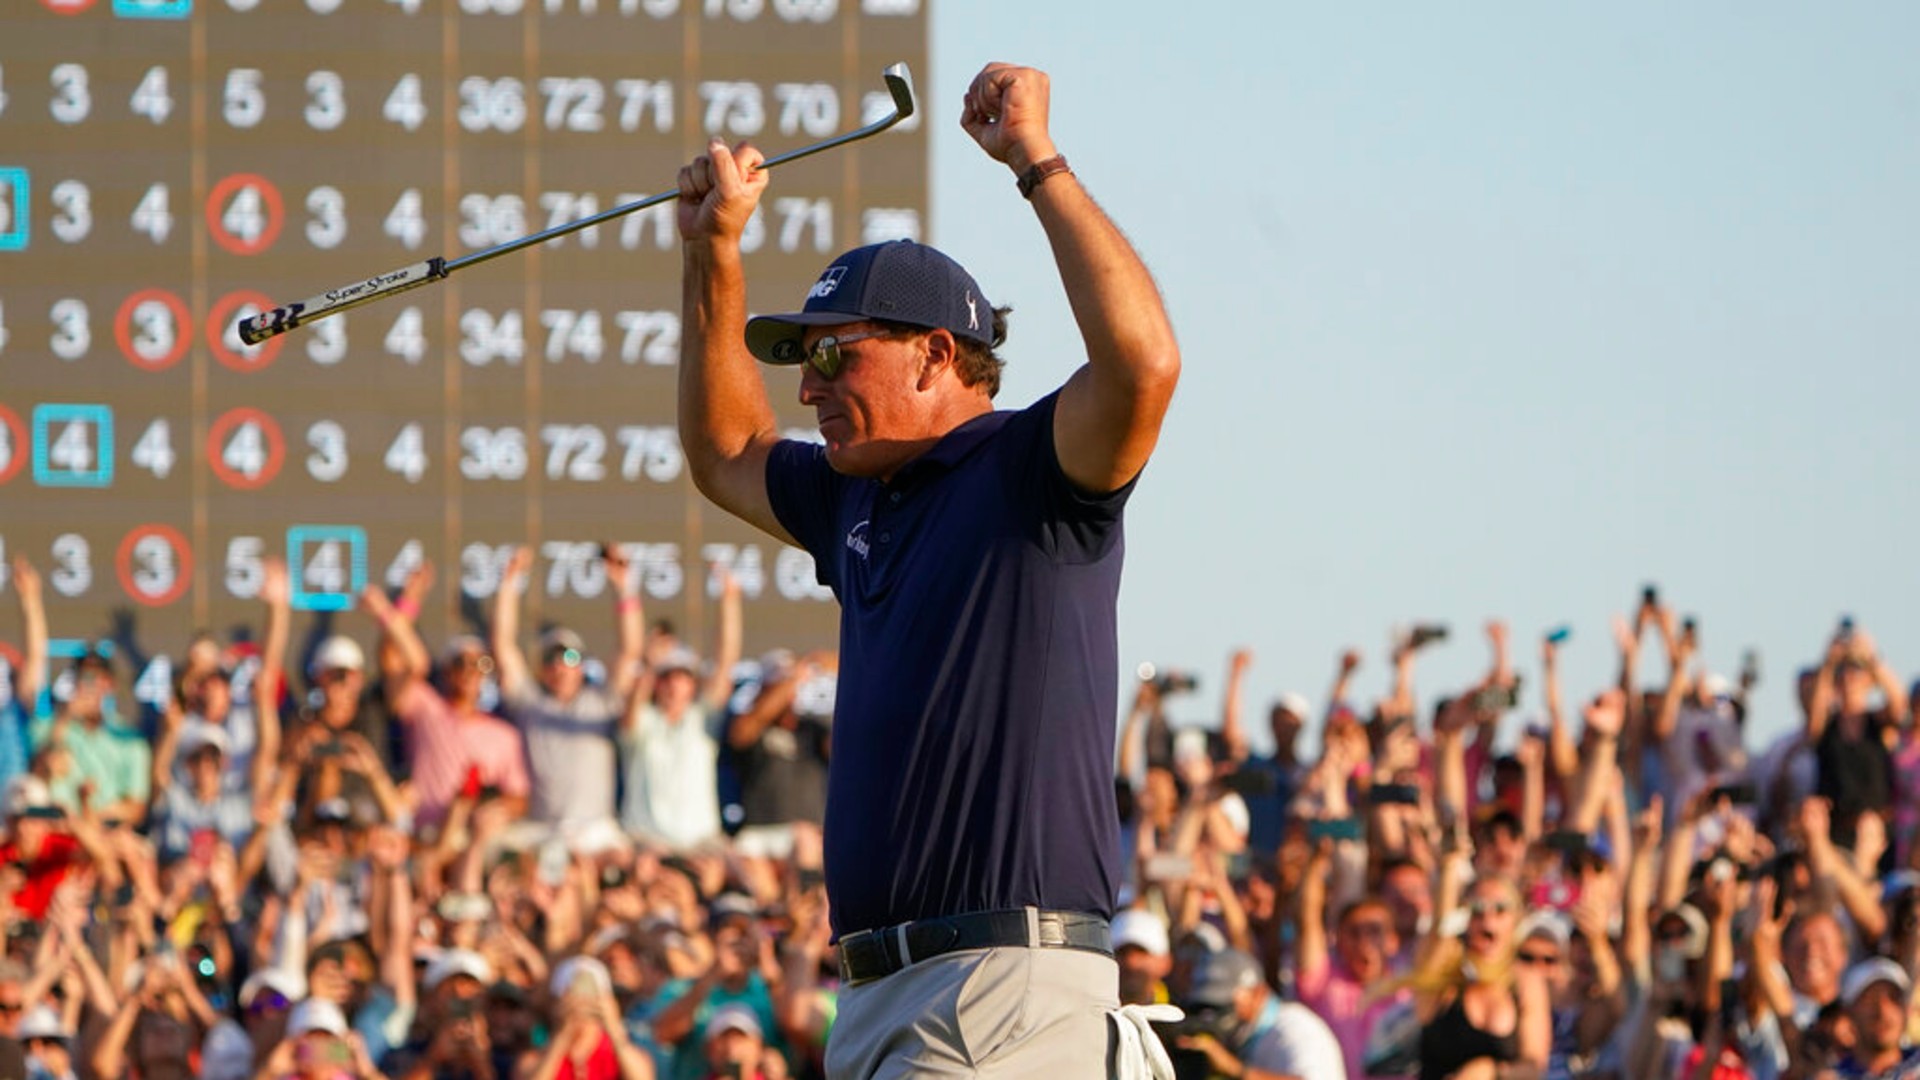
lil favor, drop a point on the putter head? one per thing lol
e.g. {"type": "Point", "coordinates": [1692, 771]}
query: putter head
{"type": "Point", "coordinates": [900, 85]}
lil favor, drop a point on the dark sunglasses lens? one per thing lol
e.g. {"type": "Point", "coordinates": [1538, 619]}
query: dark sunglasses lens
{"type": "Point", "coordinates": [825, 358]}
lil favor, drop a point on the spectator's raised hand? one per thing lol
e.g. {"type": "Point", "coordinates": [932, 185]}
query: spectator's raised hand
{"type": "Point", "coordinates": [1606, 714]}
{"type": "Point", "coordinates": [619, 569]}
{"type": "Point", "coordinates": [419, 582]}
{"type": "Point", "coordinates": [275, 586]}
{"type": "Point", "coordinates": [1869, 842]}
{"type": "Point", "coordinates": [26, 580]}
{"type": "Point", "coordinates": [1769, 915]}
{"type": "Point", "coordinates": [387, 847]}
{"type": "Point", "coordinates": [1815, 821]}
{"type": "Point", "coordinates": [1648, 824]}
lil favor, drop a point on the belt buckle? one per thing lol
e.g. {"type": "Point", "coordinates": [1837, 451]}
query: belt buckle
{"type": "Point", "coordinates": [868, 949]}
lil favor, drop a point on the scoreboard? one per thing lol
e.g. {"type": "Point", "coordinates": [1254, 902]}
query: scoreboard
{"type": "Point", "coordinates": [168, 167]}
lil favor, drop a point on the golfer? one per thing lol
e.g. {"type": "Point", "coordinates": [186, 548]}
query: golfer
{"type": "Point", "coordinates": [971, 850]}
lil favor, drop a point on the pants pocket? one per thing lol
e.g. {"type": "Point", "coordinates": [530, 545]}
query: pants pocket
{"type": "Point", "coordinates": [991, 1009]}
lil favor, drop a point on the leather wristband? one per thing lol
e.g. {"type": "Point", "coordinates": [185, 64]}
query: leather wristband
{"type": "Point", "coordinates": [1038, 173]}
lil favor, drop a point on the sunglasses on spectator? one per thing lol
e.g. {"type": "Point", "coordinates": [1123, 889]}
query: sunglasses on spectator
{"type": "Point", "coordinates": [565, 657]}
{"type": "Point", "coordinates": [1489, 907]}
{"type": "Point", "coordinates": [480, 662]}
{"type": "Point", "coordinates": [825, 357]}
{"type": "Point", "coordinates": [1537, 959]}
{"type": "Point", "coordinates": [337, 675]}
{"type": "Point", "coordinates": [267, 1001]}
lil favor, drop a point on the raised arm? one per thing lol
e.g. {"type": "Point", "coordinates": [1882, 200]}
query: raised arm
{"type": "Point", "coordinates": [629, 622]}
{"type": "Point", "coordinates": [726, 645]}
{"type": "Point", "coordinates": [1108, 416]}
{"type": "Point", "coordinates": [510, 663]}
{"type": "Point", "coordinates": [1679, 653]}
{"type": "Point", "coordinates": [1343, 679]}
{"type": "Point", "coordinates": [1233, 730]}
{"type": "Point", "coordinates": [404, 660]}
{"type": "Point", "coordinates": [727, 425]}
{"type": "Point", "coordinates": [276, 590]}
{"type": "Point", "coordinates": [32, 676]}
{"type": "Point", "coordinates": [1563, 754]}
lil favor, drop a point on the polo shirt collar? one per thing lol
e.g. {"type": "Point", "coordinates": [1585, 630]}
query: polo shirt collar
{"type": "Point", "coordinates": [953, 448]}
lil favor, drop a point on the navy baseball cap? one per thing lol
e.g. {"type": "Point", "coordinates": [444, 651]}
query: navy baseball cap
{"type": "Point", "coordinates": [899, 281]}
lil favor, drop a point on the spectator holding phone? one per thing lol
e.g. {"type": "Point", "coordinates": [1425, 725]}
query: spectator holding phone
{"type": "Point", "coordinates": [1850, 734]}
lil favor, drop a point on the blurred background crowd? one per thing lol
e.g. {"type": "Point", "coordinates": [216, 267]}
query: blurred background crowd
{"type": "Point", "coordinates": [498, 857]}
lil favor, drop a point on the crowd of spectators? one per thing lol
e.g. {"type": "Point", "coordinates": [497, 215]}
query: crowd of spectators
{"type": "Point", "coordinates": [381, 859]}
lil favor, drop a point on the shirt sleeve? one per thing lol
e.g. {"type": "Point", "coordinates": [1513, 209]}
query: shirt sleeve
{"type": "Point", "coordinates": [513, 776]}
{"type": "Point", "coordinates": [137, 760]}
{"type": "Point", "coordinates": [1072, 525]}
{"type": "Point", "coordinates": [805, 494]}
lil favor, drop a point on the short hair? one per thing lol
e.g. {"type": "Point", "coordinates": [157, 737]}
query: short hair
{"type": "Point", "coordinates": [1354, 907]}
{"type": "Point", "coordinates": [977, 364]}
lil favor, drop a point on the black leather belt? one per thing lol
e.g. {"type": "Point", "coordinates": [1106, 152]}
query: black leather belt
{"type": "Point", "coordinates": [875, 954]}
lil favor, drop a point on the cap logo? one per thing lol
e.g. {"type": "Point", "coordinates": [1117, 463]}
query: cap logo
{"type": "Point", "coordinates": [973, 312]}
{"type": "Point", "coordinates": [828, 282]}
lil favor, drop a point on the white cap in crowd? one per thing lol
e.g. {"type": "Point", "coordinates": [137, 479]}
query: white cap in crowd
{"type": "Point", "coordinates": [197, 736]}
{"type": "Point", "coordinates": [338, 653]}
{"type": "Point", "coordinates": [1141, 929]}
{"type": "Point", "coordinates": [679, 658]}
{"type": "Point", "coordinates": [454, 962]}
{"type": "Point", "coordinates": [226, 1053]}
{"type": "Point", "coordinates": [733, 1016]}
{"type": "Point", "coordinates": [1878, 969]}
{"type": "Point", "coordinates": [316, 1014]}
{"type": "Point", "coordinates": [1297, 704]}
{"type": "Point", "coordinates": [1551, 925]}
{"type": "Point", "coordinates": [27, 792]}
{"type": "Point", "coordinates": [287, 984]}
{"type": "Point", "coordinates": [560, 638]}
{"type": "Point", "coordinates": [575, 970]}
{"type": "Point", "coordinates": [41, 1022]}
{"type": "Point", "coordinates": [460, 644]}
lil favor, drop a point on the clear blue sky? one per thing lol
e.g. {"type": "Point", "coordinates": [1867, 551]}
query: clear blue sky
{"type": "Point", "coordinates": [1487, 309]}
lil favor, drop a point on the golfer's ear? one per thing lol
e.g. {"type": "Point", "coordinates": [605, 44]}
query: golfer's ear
{"type": "Point", "coordinates": [941, 353]}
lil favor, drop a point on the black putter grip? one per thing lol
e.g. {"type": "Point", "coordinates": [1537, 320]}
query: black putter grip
{"type": "Point", "coordinates": [282, 319]}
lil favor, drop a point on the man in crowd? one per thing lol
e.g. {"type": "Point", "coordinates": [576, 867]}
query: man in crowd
{"type": "Point", "coordinates": [568, 725]}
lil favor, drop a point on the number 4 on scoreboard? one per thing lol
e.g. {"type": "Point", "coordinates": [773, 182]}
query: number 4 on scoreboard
{"type": "Point", "coordinates": [327, 565]}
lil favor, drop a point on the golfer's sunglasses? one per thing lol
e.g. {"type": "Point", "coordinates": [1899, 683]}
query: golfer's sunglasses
{"type": "Point", "coordinates": [825, 357]}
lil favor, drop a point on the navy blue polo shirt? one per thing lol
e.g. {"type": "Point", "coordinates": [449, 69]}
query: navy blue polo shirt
{"type": "Point", "coordinates": [974, 725]}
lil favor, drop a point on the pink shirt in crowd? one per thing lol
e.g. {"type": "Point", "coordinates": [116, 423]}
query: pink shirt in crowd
{"type": "Point", "coordinates": [442, 745]}
{"type": "Point", "coordinates": [1341, 1000]}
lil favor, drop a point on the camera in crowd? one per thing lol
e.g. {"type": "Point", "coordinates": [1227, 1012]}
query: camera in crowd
{"type": "Point", "coordinates": [1201, 1019]}
{"type": "Point", "coordinates": [1169, 681]}
{"type": "Point", "coordinates": [1218, 979]}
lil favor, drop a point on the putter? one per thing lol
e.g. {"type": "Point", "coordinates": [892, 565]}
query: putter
{"type": "Point", "coordinates": [278, 321]}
